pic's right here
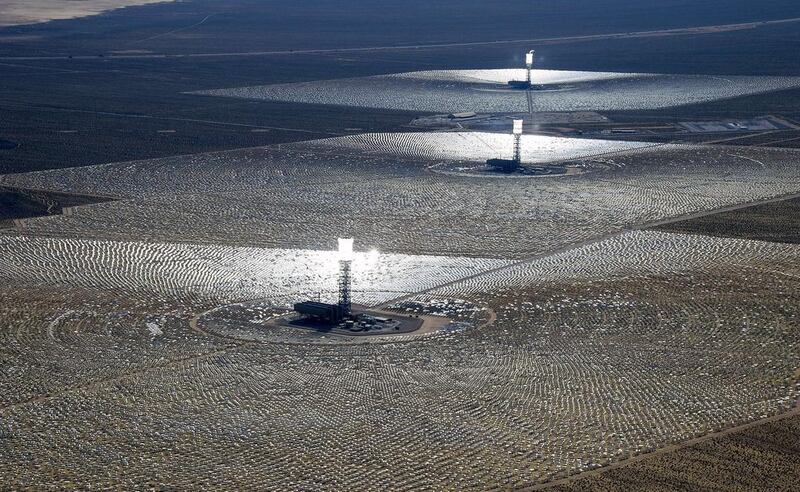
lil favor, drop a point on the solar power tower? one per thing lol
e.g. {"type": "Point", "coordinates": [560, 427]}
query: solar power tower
{"type": "Point", "coordinates": [517, 130]}
{"type": "Point", "coordinates": [345, 282]}
{"type": "Point", "coordinates": [529, 58]}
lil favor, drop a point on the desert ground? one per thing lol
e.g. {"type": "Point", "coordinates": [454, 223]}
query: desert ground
{"type": "Point", "coordinates": [16, 12]}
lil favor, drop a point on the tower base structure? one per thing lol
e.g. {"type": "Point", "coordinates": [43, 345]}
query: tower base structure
{"type": "Point", "coordinates": [503, 165]}
{"type": "Point", "coordinates": [520, 84]}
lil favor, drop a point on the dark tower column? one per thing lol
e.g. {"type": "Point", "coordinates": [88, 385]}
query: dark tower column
{"type": "Point", "coordinates": [344, 286]}
{"type": "Point", "coordinates": [345, 262]}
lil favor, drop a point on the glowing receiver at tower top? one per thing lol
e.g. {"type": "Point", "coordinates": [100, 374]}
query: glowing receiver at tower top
{"type": "Point", "coordinates": [346, 249]}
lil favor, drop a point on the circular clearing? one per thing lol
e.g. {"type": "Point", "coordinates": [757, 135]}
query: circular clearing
{"type": "Point", "coordinates": [549, 170]}
{"type": "Point", "coordinates": [259, 321]}
{"type": "Point", "coordinates": [533, 89]}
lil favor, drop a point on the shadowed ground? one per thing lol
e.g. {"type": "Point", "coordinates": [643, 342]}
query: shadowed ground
{"type": "Point", "coordinates": [765, 457]}
{"type": "Point", "coordinates": [777, 221]}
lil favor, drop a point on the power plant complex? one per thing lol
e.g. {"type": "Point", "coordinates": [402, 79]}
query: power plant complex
{"type": "Point", "coordinates": [528, 82]}
{"type": "Point", "coordinates": [334, 313]}
{"type": "Point", "coordinates": [513, 164]}
{"type": "Point", "coordinates": [340, 317]}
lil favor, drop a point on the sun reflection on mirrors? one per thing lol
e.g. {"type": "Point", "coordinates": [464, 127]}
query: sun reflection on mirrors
{"type": "Point", "coordinates": [371, 257]}
{"type": "Point", "coordinates": [364, 262]}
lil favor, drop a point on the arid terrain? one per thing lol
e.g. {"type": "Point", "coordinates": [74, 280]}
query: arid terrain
{"type": "Point", "coordinates": [16, 12]}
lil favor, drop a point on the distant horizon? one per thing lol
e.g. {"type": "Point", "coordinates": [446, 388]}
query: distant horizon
{"type": "Point", "coordinates": [24, 12]}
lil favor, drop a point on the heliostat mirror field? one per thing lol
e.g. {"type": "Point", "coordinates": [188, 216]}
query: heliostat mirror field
{"type": "Point", "coordinates": [486, 91]}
